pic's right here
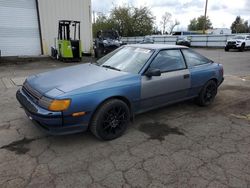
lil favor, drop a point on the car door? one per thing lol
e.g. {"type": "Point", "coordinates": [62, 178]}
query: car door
{"type": "Point", "coordinates": [173, 83]}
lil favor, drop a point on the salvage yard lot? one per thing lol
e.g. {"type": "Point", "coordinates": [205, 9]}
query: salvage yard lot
{"type": "Point", "coordinates": [182, 145]}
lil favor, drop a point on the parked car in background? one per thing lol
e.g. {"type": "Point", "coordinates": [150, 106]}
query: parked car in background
{"type": "Point", "coordinates": [106, 41]}
{"type": "Point", "coordinates": [147, 40]}
{"type": "Point", "coordinates": [240, 42]}
{"type": "Point", "coordinates": [105, 96]}
{"type": "Point", "coordinates": [183, 40]}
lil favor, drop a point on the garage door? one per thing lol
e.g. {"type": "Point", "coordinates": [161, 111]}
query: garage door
{"type": "Point", "coordinates": [19, 33]}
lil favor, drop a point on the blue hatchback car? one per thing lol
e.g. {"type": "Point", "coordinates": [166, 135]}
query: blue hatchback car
{"type": "Point", "coordinates": [105, 96]}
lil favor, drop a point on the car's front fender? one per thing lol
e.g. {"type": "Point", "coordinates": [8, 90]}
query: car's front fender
{"type": "Point", "coordinates": [89, 101]}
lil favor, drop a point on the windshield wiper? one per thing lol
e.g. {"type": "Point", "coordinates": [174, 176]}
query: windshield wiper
{"type": "Point", "coordinates": [110, 67]}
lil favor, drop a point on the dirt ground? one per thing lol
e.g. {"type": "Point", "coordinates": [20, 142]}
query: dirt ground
{"type": "Point", "coordinates": [182, 145]}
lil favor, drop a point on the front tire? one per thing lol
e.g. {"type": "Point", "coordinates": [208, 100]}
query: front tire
{"type": "Point", "coordinates": [98, 53]}
{"type": "Point", "coordinates": [242, 48]}
{"type": "Point", "coordinates": [110, 120]}
{"type": "Point", "coordinates": [226, 49]}
{"type": "Point", "coordinates": [207, 94]}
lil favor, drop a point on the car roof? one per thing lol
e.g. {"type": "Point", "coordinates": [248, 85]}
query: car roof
{"type": "Point", "coordinates": [157, 46]}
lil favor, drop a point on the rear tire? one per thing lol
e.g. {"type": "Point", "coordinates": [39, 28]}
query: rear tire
{"type": "Point", "coordinates": [110, 120]}
{"type": "Point", "coordinates": [207, 93]}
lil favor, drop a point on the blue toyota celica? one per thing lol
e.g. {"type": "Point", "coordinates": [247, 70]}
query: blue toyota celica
{"type": "Point", "coordinates": [105, 96]}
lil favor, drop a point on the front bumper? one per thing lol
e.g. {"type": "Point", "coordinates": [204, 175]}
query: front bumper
{"type": "Point", "coordinates": [233, 46]}
{"type": "Point", "coordinates": [49, 121]}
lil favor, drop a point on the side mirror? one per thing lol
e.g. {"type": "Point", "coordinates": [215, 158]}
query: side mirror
{"type": "Point", "coordinates": [153, 72]}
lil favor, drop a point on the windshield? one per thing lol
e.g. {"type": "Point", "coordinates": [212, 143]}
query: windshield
{"type": "Point", "coordinates": [147, 39]}
{"type": "Point", "coordinates": [182, 38]}
{"type": "Point", "coordinates": [110, 35]}
{"type": "Point", "coordinates": [239, 37]}
{"type": "Point", "coordinates": [127, 59]}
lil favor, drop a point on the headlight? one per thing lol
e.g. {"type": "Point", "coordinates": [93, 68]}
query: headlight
{"type": "Point", "coordinates": [54, 105]}
{"type": "Point", "coordinates": [45, 102]}
{"type": "Point", "coordinates": [59, 105]}
{"type": "Point", "coordinates": [105, 42]}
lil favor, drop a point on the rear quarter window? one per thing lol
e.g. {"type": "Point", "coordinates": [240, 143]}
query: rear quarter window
{"type": "Point", "coordinates": [194, 59]}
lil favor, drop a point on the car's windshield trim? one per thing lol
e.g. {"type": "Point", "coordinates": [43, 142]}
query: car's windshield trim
{"type": "Point", "coordinates": [147, 62]}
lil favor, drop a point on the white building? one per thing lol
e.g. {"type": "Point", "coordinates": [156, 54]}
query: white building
{"type": "Point", "coordinates": [29, 27]}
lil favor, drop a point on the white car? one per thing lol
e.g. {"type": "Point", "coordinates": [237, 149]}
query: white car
{"type": "Point", "coordinates": [240, 42]}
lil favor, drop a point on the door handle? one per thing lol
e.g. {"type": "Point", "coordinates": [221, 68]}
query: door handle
{"type": "Point", "coordinates": [186, 76]}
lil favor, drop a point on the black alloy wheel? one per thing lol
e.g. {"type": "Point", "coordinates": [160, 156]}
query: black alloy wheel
{"type": "Point", "coordinates": [111, 120]}
{"type": "Point", "coordinates": [208, 93]}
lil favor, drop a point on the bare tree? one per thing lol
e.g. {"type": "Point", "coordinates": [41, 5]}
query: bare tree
{"type": "Point", "coordinates": [166, 19]}
{"type": "Point", "coordinates": [173, 25]}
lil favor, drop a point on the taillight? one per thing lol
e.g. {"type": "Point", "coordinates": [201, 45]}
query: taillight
{"type": "Point", "coordinates": [221, 71]}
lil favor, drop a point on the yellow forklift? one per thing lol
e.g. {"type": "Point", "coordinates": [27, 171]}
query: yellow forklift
{"type": "Point", "coordinates": [68, 42]}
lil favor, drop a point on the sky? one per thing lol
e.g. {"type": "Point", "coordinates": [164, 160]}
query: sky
{"type": "Point", "coordinates": [221, 12]}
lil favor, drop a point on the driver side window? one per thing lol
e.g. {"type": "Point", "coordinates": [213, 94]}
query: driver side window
{"type": "Point", "coordinates": [168, 60]}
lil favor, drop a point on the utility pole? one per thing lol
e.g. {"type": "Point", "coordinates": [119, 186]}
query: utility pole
{"type": "Point", "coordinates": [93, 16]}
{"type": "Point", "coordinates": [205, 18]}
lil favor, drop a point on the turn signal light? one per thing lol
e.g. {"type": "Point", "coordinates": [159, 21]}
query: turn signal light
{"type": "Point", "coordinates": [59, 105]}
{"type": "Point", "coordinates": [77, 114]}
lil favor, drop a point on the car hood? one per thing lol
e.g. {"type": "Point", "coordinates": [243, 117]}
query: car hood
{"type": "Point", "coordinates": [57, 82]}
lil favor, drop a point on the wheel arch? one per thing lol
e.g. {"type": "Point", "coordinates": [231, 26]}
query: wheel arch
{"type": "Point", "coordinates": [122, 98]}
{"type": "Point", "coordinates": [199, 99]}
{"type": "Point", "coordinates": [214, 79]}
